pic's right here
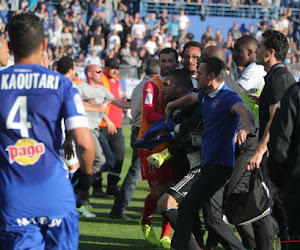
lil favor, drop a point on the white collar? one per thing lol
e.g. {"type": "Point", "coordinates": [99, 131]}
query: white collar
{"type": "Point", "coordinates": [160, 77]}
{"type": "Point", "coordinates": [213, 94]}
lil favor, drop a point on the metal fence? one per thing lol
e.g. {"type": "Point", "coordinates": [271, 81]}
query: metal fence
{"type": "Point", "coordinates": [223, 10]}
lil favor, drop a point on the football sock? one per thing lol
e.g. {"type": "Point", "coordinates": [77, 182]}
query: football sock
{"type": "Point", "coordinates": [166, 228]}
{"type": "Point", "coordinates": [149, 209]}
{"type": "Point", "coordinates": [171, 216]}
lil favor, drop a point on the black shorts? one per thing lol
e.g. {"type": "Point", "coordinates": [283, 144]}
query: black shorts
{"type": "Point", "coordinates": [180, 190]}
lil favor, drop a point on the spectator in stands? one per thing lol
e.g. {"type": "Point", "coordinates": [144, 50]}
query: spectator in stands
{"type": "Point", "coordinates": [173, 26]}
{"type": "Point", "coordinates": [235, 31]}
{"type": "Point", "coordinates": [97, 20]}
{"type": "Point", "coordinates": [208, 35]}
{"type": "Point", "coordinates": [66, 34]}
{"type": "Point", "coordinates": [116, 26]}
{"type": "Point", "coordinates": [125, 52]}
{"type": "Point", "coordinates": [163, 19]}
{"type": "Point", "coordinates": [264, 21]}
{"type": "Point", "coordinates": [127, 25]}
{"type": "Point", "coordinates": [184, 21]}
{"type": "Point", "coordinates": [85, 39]}
{"type": "Point", "coordinates": [93, 59]}
{"type": "Point", "coordinates": [40, 12]}
{"type": "Point", "coordinates": [120, 11]}
{"type": "Point", "coordinates": [54, 38]}
{"type": "Point", "coordinates": [76, 7]}
{"type": "Point", "coordinates": [260, 31]}
{"type": "Point", "coordinates": [273, 24]}
{"type": "Point", "coordinates": [152, 24]}
{"type": "Point", "coordinates": [114, 41]}
{"type": "Point", "coordinates": [144, 57]}
{"type": "Point", "coordinates": [138, 29]}
{"type": "Point", "coordinates": [107, 5]}
{"type": "Point", "coordinates": [283, 22]}
{"type": "Point", "coordinates": [80, 59]}
{"type": "Point", "coordinates": [98, 41]}
{"type": "Point", "coordinates": [151, 45]}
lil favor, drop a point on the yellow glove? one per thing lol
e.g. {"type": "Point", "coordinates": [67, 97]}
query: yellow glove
{"type": "Point", "coordinates": [157, 159]}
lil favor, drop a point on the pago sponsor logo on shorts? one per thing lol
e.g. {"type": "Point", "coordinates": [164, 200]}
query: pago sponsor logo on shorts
{"type": "Point", "coordinates": [25, 152]}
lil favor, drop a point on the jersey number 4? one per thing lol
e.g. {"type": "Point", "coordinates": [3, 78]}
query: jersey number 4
{"type": "Point", "coordinates": [20, 106]}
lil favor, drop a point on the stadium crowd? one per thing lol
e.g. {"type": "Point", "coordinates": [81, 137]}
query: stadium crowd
{"type": "Point", "coordinates": [101, 36]}
{"type": "Point", "coordinates": [93, 31]}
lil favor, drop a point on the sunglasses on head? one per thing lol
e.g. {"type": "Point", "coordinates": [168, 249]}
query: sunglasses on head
{"type": "Point", "coordinates": [97, 71]}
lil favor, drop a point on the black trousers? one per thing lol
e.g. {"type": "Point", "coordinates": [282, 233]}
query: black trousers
{"type": "Point", "coordinates": [211, 179]}
{"type": "Point", "coordinates": [117, 146]}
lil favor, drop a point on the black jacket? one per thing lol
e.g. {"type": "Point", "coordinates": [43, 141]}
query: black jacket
{"type": "Point", "coordinates": [284, 143]}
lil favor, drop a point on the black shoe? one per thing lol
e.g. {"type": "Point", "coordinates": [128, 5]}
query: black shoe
{"type": "Point", "coordinates": [119, 216]}
{"type": "Point", "coordinates": [113, 190]}
{"type": "Point", "coordinates": [97, 192]}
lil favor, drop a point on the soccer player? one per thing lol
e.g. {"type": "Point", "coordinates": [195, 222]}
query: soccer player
{"type": "Point", "coordinates": [118, 210]}
{"type": "Point", "coordinates": [37, 204]}
{"type": "Point", "coordinates": [66, 66]}
{"type": "Point", "coordinates": [158, 179]}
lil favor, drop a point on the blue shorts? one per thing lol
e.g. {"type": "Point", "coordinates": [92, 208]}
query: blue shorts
{"type": "Point", "coordinates": [57, 232]}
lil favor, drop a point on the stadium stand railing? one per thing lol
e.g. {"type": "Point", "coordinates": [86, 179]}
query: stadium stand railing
{"type": "Point", "coordinates": [214, 9]}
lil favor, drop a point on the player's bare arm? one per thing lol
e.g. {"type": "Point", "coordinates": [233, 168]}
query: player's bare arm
{"type": "Point", "coordinates": [85, 148]}
{"type": "Point", "coordinates": [110, 125]}
{"type": "Point", "coordinates": [249, 121]}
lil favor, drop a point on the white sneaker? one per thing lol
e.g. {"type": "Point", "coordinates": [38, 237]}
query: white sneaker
{"type": "Point", "coordinates": [85, 212]}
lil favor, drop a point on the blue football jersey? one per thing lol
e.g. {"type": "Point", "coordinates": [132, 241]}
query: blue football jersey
{"type": "Point", "coordinates": [33, 180]}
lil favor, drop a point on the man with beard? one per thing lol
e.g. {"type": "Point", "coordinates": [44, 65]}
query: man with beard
{"type": "Point", "coordinates": [158, 179]}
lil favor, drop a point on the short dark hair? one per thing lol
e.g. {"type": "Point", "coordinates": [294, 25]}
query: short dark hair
{"type": "Point", "coordinates": [26, 34]}
{"type": "Point", "coordinates": [216, 66]}
{"type": "Point", "coordinates": [168, 51]}
{"type": "Point", "coordinates": [64, 64]}
{"type": "Point", "coordinates": [191, 44]}
{"type": "Point", "coordinates": [180, 76]}
{"type": "Point", "coordinates": [152, 67]}
{"type": "Point", "coordinates": [277, 41]}
{"type": "Point", "coordinates": [247, 39]}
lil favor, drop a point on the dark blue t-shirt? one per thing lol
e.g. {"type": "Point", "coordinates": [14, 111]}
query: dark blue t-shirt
{"type": "Point", "coordinates": [219, 126]}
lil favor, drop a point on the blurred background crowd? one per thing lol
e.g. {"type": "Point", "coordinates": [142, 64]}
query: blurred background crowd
{"type": "Point", "coordinates": [134, 31]}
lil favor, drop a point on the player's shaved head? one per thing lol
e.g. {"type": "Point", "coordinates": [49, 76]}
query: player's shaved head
{"type": "Point", "coordinates": [214, 51]}
{"type": "Point", "coordinates": [26, 33]}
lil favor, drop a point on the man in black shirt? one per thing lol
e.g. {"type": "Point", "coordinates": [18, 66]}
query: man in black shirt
{"type": "Point", "coordinates": [284, 148]}
{"type": "Point", "coordinates": [271, 53]}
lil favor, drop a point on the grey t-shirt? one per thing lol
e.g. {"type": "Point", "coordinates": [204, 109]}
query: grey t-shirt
{"type": "Point", "coordinates": [136, 103]}
{"type": "Point", "coordinates": [100, 94]}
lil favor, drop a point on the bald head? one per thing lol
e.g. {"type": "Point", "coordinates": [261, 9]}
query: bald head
{"type": "Point", "coordinates": [4, 52]}
{"type": "Point", "coordinates": [214, 51]}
